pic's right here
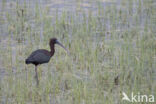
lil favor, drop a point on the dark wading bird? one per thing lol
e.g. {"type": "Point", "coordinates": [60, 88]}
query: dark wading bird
{"type": "Point", "coordinates": [42, 56]}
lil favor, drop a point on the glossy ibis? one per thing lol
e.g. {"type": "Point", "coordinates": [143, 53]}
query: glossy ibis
{"type": "Point", "coordinates": [42, 56]}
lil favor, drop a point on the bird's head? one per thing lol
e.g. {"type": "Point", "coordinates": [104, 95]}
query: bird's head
{"type": "Point", "coordinates": [54, 41]}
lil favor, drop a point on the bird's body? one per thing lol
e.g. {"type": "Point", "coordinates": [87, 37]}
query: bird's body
{"type": "Point", "coordinates": [42, 56]}
{"type": "Point", "coordinates": [39, 56]}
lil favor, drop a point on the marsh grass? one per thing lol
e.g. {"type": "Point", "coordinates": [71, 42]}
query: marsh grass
{"type": "Point", "coordinates": [112, 49]}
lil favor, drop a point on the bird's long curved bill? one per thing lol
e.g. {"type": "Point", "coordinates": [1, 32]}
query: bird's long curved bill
{"type": "Point", "coordinates": [57, 42]}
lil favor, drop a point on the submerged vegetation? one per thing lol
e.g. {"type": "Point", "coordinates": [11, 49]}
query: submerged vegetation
{"type": "Point", "coordinates": [112, 50]}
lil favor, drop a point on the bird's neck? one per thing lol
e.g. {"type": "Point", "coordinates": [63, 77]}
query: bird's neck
{"type": "Point", "coordinates": [52, 49]}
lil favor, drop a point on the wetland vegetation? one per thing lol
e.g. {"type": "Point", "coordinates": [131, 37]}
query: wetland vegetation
{"type": "Point", "coordinates": [112, 45]}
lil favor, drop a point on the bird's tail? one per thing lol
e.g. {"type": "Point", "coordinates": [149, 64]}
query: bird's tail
{"type": "Point", "coordinates": [27, 61]}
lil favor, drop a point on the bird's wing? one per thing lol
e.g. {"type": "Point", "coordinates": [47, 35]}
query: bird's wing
{"type": "Point", "coordinates": [39, 56]}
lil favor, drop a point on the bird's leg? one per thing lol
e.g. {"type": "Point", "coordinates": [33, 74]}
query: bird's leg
{"type": "Point", "coordinates": [36, 76]}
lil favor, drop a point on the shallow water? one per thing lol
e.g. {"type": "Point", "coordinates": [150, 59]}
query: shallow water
{"type": "Point", "coordinates": [113, 34]}
{"type": "Point", "coordinates": [8, 9]}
